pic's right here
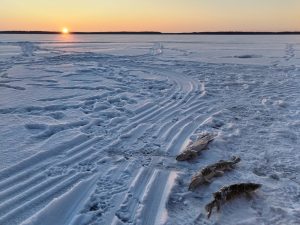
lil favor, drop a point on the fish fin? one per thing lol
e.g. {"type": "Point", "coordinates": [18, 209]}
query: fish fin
{"type": "Point", "coordinates": [218, 205]}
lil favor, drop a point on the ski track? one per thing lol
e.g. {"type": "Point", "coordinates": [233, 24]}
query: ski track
{"type": "Point", "coordinates": [117, 123]}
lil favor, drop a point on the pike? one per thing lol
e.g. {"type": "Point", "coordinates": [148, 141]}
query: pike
{"type": "Point", "coordinates": [228, 193]}
{"type": "Point", "coordinates": [213, 170]}
{"type": "Point", "coordinates": [193, 150]}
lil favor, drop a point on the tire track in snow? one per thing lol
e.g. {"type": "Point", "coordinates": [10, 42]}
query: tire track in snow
{"type": "Point", "coordinates": [140, 202]}
{"type": "Point", "coordinates": [24, 169]}
{"type": "Point", "coordinates": [30, 166]}
{"type": "Point", "coordinates": [21, 211]}
{"type": "Point", "coordinates": [46, 155]}
{"type": "Point", "coordinates": [150, 211]}
{"type": "Point", "coordinates": [38, 182]}
{"type": "Point", "coordinates": [36, 166]}
{"type": "Point", "coordinates": [166, 110]}
{"type": "Point", "coordinates": [130, 130]}
{"type": "Point", "coordinates": [132, 200]}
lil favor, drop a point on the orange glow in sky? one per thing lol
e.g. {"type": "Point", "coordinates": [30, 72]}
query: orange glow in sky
{"type": "Point", "coordinates": [151, 15]}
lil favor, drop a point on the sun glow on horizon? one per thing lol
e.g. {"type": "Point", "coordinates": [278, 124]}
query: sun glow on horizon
{"type": "Point", "coordinates": [65, 30]}
{"type": "Point", "coordinates": [154, 15]}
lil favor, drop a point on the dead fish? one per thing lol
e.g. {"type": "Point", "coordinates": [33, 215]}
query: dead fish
{"type": "Point", "coordinates": [228, 193]}
{"type": "Point", "coordinates": [192, 151]}
{"type": "Point", "coordinates": [213, 170]}
{"type": "Point", "coordinates": [223, 165]}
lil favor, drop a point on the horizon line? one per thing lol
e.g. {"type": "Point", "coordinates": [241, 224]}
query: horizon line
{"type": "Point", "coordinates": [147, 32]}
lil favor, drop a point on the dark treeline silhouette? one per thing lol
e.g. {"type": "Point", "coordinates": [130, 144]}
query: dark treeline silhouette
{"type": "Point", "coordinates": [161, 33]}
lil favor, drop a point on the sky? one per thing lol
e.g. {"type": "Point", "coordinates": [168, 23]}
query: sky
{"type": "Point", "coordinates": [150, 15]}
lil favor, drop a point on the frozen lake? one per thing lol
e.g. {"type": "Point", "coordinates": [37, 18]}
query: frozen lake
{"type": "Point", "coordinates": [91, 126]}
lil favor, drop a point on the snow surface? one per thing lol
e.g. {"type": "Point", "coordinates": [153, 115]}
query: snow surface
{"type": "Point", "coordinates": [91, 125]}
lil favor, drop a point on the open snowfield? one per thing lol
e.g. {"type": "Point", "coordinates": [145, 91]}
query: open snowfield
{"type": "Point", "coordinates": [91, 125]}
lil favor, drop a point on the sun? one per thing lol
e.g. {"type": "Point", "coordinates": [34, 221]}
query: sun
{"type": "Point", "coordinates": [65, 30]}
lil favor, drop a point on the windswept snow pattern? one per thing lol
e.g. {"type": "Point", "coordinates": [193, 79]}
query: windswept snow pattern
{"type": "Point", "coordinates": [91, 125]}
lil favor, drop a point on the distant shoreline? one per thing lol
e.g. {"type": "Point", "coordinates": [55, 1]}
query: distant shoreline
{"type": "Point", "coordinates": [159, 33]}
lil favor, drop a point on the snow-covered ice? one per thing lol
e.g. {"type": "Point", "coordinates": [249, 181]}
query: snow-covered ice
{"type": "Point", "coordinates": [91, 125]}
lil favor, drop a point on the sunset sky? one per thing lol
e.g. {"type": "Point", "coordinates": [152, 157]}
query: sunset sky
{"type": "Point", "coordinates": [154, 15]}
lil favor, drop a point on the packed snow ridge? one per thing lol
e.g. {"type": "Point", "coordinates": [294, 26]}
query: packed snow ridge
{"type": "Point", "coordinates": [91, 127]}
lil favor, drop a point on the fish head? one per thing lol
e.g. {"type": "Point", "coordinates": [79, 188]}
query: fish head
{"type": "Point", "coordinates": [249, 187]}
{"type": "Point", "coordinates": [236, 159]}
{"type": "Point", "coordinates": [217, 195]}
{"type": "Point", "coordinates": [196, 181]}
{"type": "Point", "coordinates": [187, 155]}
{"type": "Point", "coordinates": [254, 186]}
